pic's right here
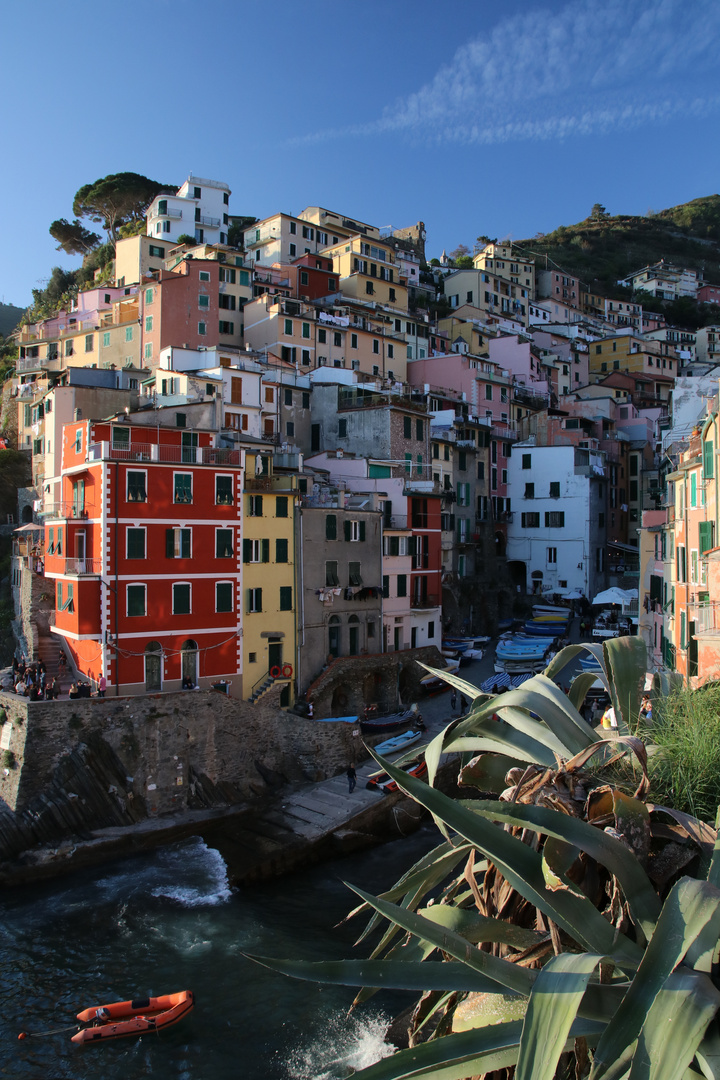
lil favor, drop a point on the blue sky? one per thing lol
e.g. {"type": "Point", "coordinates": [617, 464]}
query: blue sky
{"type": "Point", "coordinates": [475, 117]}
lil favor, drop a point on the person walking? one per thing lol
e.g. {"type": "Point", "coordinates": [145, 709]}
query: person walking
{"type": "Point", "coordinates": [352, 778]}
{"type": "Point", "coordinates": [453, 699]}
{"type": "Point", "coordinates": [102, 686]}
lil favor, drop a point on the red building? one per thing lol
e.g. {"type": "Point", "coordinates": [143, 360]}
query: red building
{"type": "Point", "coordinates": [426, 576]}
{"type": "Point", "coordinates": [195, 305]}
{"type": "Point", "coordinates": [145, 550]}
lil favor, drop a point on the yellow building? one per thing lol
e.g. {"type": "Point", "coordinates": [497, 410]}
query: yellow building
{"type": "Point", "coordinates": [270, 586]}
{"type": "Point", "coordinates": [503, 261]}
{"type": "Point", "coordinates": [367, 271]}
{"type": "Point", "coordinates": [626, 352]}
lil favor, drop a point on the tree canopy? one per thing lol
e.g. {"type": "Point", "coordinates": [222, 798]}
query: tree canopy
{"type": "Point", "coordinates": [117, 199]}
{"type": "Point", "coordinates": [73, 237]}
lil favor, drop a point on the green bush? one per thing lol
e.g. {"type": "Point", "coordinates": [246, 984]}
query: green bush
{"type": "Point", "coordinates": [685, 764]}
{"type": "Point", "coordinates": [8, 760]}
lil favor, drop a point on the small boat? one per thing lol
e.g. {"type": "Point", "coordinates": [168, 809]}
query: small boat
{"type": "Point", "coordinates": [376, 725]}
{"type": "Point", "coordinates": [133, 1017]}
{"type": "Point", "coordinates": [382, 781]}
{"type": "Point", "coordinates": [433, 683]}
{"type": "Point", "coordinates": [398, 742]}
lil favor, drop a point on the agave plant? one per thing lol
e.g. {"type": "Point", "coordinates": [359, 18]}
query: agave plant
{"type": "Point", "coordinates": [551, 932]}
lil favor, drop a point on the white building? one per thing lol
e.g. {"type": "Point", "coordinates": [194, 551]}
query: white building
{"type": "Point", "coordinates": [200, 208]}
{"type": "Point", "coordinates": [557, 535]}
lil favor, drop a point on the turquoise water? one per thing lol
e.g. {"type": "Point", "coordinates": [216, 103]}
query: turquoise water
{"type": "Point", "coordinates": [169, 921]}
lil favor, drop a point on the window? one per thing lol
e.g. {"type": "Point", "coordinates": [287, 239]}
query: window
{"type": "Point", "coordinates": [354, 530]}
{"type": "Point", "coordinates": [178, 543]}
{"type": "Point", "coordinates": [128, 333]}
{"type": "Point", "coordinates": [135, 543]}
{"type": "Point", "coordinates": [181, 598]}
{"type": "Point", "coordinates": [306, 329]}
{"type": "Point", "coordinates": [322, 336]}
{"type": "Point", "coordinates": [552, 556]}
{"type": "Point", "coordinates": [554, 489]}
{"type": "Point", "coordinates": [306, 400]}
{"type": "Point", "coordinates": [281, 506]}
{"type": "Point", "coordinates": [255, 505]}
{"type": "Point", "coordinates": [106, 339]}
{"type": "Point", "coordinates": [529, 491]}
{"type": "Point", "coordinates": [225, 327]}
{"type": "Point", "coordinates": [337, 338]}
{"type": "Point", "coordinates": [554, 519]}
{"type": "Point", "coordinates": [281, 550]}
{"type": "Point", "coordinates": [223, 490]}
{"type": "Point", "coordinates": [369, 288]}
{"type": "Point", "coordinates": [391, 352]}
{"type": "Point", "coordinates": [182, 488]}
{"type": "Point", "coordinates": [156, 252]}
{"type": "Point", "coordinates": [223, 596]}
{"type": "Point", "coordinates": [407, 427]}
{"type": "Point", "coordinates": [286, 603]}
{"type": "Point", "coordinates": [202, 329]}
{"type": "Point", "coordinates": [89, 342]}
{"type": "Point", "coordinates": [223, 543]}
{"type": "Point", "coordinates": [330, 527]}
{"type": "Point", "coordinates": [386, 586]}
{"type": "Point", "coordinates": [121, 438]}
{"type": "Point", "coordinates": [136, 487]}
{"type": "Point", "coordinates": [481, 470]}
{"type": "Point", "coordinates": [354, 341]}
{"type": "Point", "coordinates": [342, 428]}
{"type": "Point", "coordinates": [402, 585]}
{"type": "Point", "coordinates": [148, 324]}
{"type": "Point", "coordinates": [203, 300]}
{"type": "Point", "coordinates": [354, 576]}
{"type": "Point", "coordinates": [135, 600]}
{"type": "Point", "coordinates": [293, 251]}
{"type": "Point", "coordinates": [331, 575]}
{"type": "Point", "coordinates": [255, 551]}
{"type": "Point", "coordinates": [527, 461]}
{"type": "Point", "coordinates": [293, 228]}
{"type": "Point", "coordinates": [530, 521]}
{"type": "Point", "coordinates": [419, 430]}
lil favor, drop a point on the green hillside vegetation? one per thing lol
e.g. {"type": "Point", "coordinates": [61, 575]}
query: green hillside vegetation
{"type": "Point", "coordinates": [603, 249]}
{"type": "Point", "coordinates": [9, 318]}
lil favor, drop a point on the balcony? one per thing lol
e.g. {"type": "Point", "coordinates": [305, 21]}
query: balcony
{"type": "Point", "coordinates": [705, 616]}
{"type": "Point", "coordinates": [429, 601]}
{"type": "Point", "coordinates": [67, 510]}
{"type": "Point", "coordinates": [169, 212]}
{"type": "Point", "coordinates": [83, 566]}
{"type": "Point", "coordinates": [203, 219]}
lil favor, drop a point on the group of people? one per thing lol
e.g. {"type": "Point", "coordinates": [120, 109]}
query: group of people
{"type": "Point", "coordinates": [82, 689]}
{"type": "Point", "coordinates": [31, 681]}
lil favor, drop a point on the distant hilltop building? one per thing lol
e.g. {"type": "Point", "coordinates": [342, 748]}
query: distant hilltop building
{"type": "Point", "coordinates": [200, 208]}
{"type": "Point", "coordinates": [663, 280]}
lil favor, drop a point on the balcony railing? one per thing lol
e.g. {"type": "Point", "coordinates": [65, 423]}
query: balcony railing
{"type": "Point", "coordinates": [83, 566]}
{"type": "Point", "coordinates": [170, 212]}
{"type": "Point", "coordinates": [182, 455]}
{"type": "Point", "coordinates": [705, 616]}
{"type": "Point", "coordinates": [203, 219]}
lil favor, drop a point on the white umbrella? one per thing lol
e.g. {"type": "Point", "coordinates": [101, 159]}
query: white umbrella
{"type": "Point", "coordinates": [615, 596]}
{"type": "Point", "coordinates": [574, 594]}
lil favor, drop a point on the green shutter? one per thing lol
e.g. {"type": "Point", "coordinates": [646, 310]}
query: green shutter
{"type": "Point", "coordinates": [170, 543]}
{"type": "Point", "coordinates": [247, 550]}
{"type": "Point", "coordinates": [286, 597]}
{"type": "Point", "coordinates": [705, 534]}
{"type": "Point", "coordinates": [223, 596]}
{"type": "Point", "coordinates": [281, 550]}
{"type": "Point", "coordinates": [693, 489]}
{"type": "Point", "coordinates": [185, 543]}
{"type": "Point", "coordinates": [330, 527]}
{"type": "Point", "coordinates": [347, 530]}
{"type": "Point", "coordinates": [265, 544]}
{"type": "Point", "coordinates": [362, 530]}
{"type": "Point", "coordinates": [708, 454]}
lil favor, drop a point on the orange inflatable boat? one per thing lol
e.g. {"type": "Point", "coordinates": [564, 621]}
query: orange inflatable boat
{"type": "Point", "coordinates": [133, 1017]}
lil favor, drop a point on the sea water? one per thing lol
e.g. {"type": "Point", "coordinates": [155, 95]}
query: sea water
{"type": "Point", "coordinates": [169, 921]}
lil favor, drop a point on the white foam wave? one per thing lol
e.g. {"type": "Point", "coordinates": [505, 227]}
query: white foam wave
{"type": "Point", "coordinates": [210, 887]}
{"type": "Point", "coordinates": [353, 1042]}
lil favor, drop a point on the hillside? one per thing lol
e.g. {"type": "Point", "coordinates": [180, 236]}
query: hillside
{"type": "Point", "coordinates": [9, 318]}
{"type": "Point", "coordinates": [601, 250]}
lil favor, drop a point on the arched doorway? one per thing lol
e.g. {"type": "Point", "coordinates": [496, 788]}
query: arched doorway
{"type": "Point", "coordinates": [353, 635]}
{"type": "Point", "coordinates": [153, 666]}
{"type": "Point", "coordinates": [500, 544]}
{"type": "Point", "coordinates": [27, 514]}
{"type": "Point", "coordinates": [189, 656]}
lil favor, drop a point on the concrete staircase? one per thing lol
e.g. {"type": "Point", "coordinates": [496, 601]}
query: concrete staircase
{"type": "Point", "coordinates": [262, 689]}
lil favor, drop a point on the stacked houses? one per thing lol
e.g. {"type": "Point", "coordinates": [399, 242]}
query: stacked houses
{"type": "Point", "coordinates": [251, 460]}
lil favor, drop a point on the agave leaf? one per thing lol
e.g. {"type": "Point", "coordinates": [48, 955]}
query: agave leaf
{"type": "Point", "coordinates": [675, 1027]}
{"type": "Point", "coordinates": [467, 1053]}
{"type": "Point", "coordinates": [522, 868]}
{"type": "Point", "coordinates": [689, 906]}
{"type": "Point", "coordinates": [708, 1054]}
{"type": "Point", "coordinates": [557, 858]}
{"type": "Point", "coordinates": [465, 688]}
{"type": "Point", "coordinates": [552, 1008]}
{"type": "Point", "coordinates": [497, 738]}
{"type": "Point", "coordinates": [713, 874]}
{"type": "Point", "coordinates": [664, 682]}
{"type": "Point", "coordinates": [703, 835]}
{"type": "Point", "coordinates": [505, 974]}
{"type": "Point", "coordinates": [626, 662]}
{"type": "Point", "coordinates": [605, 849]}
{"type": "Point", "coordinates": [487, 772]}
{"type": "Point", "coordinates": [582, 683]}
{"type": "Point", "coordinates": [384, 974]}
{"type": "Point", "coordinates": [476, 927]}
{"type": "Point", "coordinates": [563, 658]}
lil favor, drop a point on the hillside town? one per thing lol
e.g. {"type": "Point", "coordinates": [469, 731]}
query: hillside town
{"type": "Point", "coordinates": [251, 460]}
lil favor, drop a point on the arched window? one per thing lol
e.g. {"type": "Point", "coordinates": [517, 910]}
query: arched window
{"type": "Point", "coordinates": [153, 666]}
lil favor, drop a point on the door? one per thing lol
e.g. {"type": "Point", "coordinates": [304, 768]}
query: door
{"type": "Point", "coordinates": [189, 447]}
{"type": "Point", "coordinates": [397, 644]}
{"type": "Point", "coordinates": [189, 653]}
{"type": "Point", "coordinates": [275, 655]}
{"type": "Point", "coordinates": [80, 551]}
{"type": "Point", "coordinates": [353, 637]}
{"type": "Point", "coordinates": [153, 667]}
{"type": "Point", "coordinates": [413, 637]}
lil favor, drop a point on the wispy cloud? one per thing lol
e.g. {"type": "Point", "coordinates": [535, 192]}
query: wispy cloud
{"type": "Point", "coordinates": [587, 68]}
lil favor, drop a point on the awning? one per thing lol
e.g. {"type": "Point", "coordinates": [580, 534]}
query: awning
{"type": "Point", "coordinates": [29, 528]}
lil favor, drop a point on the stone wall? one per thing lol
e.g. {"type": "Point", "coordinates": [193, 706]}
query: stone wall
{"type": "Point", "coordinates": [390, 681]}
{"type": "Point", "coordinates": [168, 743]}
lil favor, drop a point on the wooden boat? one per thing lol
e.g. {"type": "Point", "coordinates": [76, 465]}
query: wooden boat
{"type": "Point", "coordinates": [376, 725]}
{"type": "Point", "coordinates": [136, 1017]}
{"type": "Point", "coordinates": [382, 781]}
{"type": "Point", "coordinates": [398, 742]}
{"type": "Point", "coordinates": [433, 683]}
